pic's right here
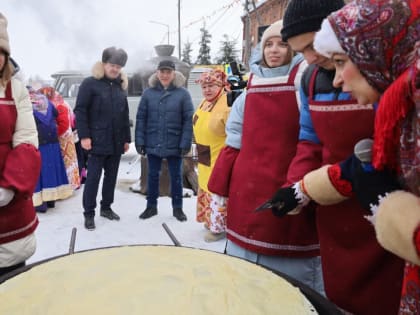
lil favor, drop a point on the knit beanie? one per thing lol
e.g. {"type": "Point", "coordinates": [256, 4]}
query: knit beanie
{"type": "Point", "coordinates": [271, 31]}
{"type": "Point", "coordinates": [114, 56]}
{"type": "Point", "coordinates": [4, 38]}
{"type": "Point", "coordinates": [304, 16]}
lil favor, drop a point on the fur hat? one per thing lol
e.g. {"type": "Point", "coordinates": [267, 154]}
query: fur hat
{"type": "Point", "coordinates": [114, 56]}
{"type": "Point", "coordinates": [304, 16]}
{"type": "Point", "coordinates": [4, 38]}
{"type": "Point", "coordinates": [271, 31]}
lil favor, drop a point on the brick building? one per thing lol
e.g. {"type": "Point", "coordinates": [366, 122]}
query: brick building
{"type": "Point", "coordinates": [264, 13]}
{"type": "Point", "coordinates": [258, 13]}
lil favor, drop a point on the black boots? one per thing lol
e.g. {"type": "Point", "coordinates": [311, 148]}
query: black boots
{"type": "Point", "coordinates": [106, 213]}
{"type": "Point", "coordinates": [149, 212]}
{"type": "Point", "coordinates": [109, 214]}
{"type": "Point", "coordinates": [179, 214]}
{"type": "Point", "coordinates": [51, 204]}
{"type": "Point", "coordinates": [90, 223]}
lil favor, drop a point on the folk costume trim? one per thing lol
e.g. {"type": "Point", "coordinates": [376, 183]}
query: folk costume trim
{"type": "Point", "coordinates": [340, 108]}
{"type": "Point", "coordinates": [20, 230]}
{"type": "Point", "coordinates": [271, 245]}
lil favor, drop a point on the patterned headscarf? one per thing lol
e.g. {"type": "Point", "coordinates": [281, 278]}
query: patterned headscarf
{"type": "Point", "coordinates": [379, 37]}
{"type": "Point", "coordinates": [217, 77]}
{"type": "Point", "coordinates": [53, 96]}
{"type": "Point", "coordinates": [39, 101]}
{"type": "Point", "coordinates": [48, 91]}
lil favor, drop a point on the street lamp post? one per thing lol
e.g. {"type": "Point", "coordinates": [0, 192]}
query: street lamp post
{"type": "Point", "coordinates": [179, 29]}
{"type": "Point", "coordinates": [155, 22]}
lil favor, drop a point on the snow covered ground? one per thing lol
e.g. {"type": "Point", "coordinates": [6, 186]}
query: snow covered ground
{"type": "Point", "coordinates": [54, 231]}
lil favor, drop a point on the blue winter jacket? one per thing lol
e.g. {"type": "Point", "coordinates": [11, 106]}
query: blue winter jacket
{"type": "Point", "coordinates": [164, 118]}
{"type": "Point", "coordinates": [324, 91]}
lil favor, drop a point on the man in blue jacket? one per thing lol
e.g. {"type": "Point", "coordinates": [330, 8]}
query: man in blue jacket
{"type": "Point", "coordinates": [104, 129]}
{"type": "Point", "coordinates": [164, 130]}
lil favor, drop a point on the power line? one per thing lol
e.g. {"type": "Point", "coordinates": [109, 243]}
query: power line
{"type": "Point", "coordinates": [213, 24]}
{"type": "Point", "coordinates": [222, 10]}
{"type": "Point", "coordinates": [211, 15]}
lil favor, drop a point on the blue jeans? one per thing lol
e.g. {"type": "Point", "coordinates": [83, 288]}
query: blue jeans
{"type": "Point", "coordinates": [305, 270]}
{"type": "Point", "coordinates": [175, 173]}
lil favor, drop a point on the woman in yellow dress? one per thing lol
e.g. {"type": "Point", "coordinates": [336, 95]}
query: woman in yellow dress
{"type": "Point", "coordinates": [209, 123]}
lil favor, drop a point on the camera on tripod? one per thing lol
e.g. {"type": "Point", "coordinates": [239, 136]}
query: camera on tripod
{"type": "Point", "coordinates": [236, 82]}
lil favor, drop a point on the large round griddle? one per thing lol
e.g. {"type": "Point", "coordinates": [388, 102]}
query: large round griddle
{"type": "Point", "coordinates": [320, 303]}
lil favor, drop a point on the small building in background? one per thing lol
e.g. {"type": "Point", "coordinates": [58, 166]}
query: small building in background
{"type": "Point", "coordinates": [258, 15]}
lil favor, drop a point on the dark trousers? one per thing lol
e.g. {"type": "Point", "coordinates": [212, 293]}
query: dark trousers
{"type": "Point", "coordinates": [175, 173]}
{"type": "Point", "coordinates": [110, 164]}
{"type": "Point", "coordinates": [4, 270]}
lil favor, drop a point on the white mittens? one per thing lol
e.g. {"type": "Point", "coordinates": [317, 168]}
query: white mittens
{"type": "Point", "coordinates": [6, 195]}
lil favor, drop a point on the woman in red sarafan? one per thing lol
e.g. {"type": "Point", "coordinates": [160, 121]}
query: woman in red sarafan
{"type": "Point", "coordinates": [20, 164]}
{"type": "Point", "coordinates": [376, 50]}
{"type": "Point", "coordinates": [253, 164]}
{"type": "Point", "coordinates": [375, 46]}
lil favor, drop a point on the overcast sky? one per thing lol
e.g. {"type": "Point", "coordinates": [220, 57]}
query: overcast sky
{"type": "Point", "coordinates": [49, 35]}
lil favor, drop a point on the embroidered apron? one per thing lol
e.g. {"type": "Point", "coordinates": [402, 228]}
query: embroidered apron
{"type": "Point", "coordinates": [269, 139]}
{"type": "Point", "coordinates": [18, 218]}
{"type": "Point", "coordinates": [352, 259]}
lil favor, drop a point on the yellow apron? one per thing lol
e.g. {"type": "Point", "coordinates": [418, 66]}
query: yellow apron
{"type": "Point", "coordinates": [210, 136]}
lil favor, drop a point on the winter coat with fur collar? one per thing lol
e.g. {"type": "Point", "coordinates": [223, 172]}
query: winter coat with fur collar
{"type": "Point", "coordinates": [164, 118]}
{"type": "Point", "coordinates": [102, 112]}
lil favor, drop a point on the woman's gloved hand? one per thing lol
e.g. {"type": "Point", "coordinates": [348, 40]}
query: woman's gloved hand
{"type": "Point", "coordinates": [369, 186]}
{"type": "Point", "coordinates": [289, 200]}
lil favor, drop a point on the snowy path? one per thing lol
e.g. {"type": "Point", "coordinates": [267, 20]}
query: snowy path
{"type": "Point", "coordinates": [54, 231]}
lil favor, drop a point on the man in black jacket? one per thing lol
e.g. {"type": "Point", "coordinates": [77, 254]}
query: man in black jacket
{"type": "Point", "coordinates": [104, 129]}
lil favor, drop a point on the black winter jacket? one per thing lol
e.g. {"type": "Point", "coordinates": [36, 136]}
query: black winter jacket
{"type": "Point", "coordinates": [102, 113]}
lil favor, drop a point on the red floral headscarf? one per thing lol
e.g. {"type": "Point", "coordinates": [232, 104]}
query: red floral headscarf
{"type": "Point", "coordinates": [380, 36]}
{"type": "Point", "coordinates": [39, 101]}
{"type": "Point", "coordinates": [52, 95]}
{"type": "Point", "coordinates": [217, 77]}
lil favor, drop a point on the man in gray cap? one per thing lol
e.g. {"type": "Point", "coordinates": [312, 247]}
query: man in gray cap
{"type": "Point", "coordinates": [104, 129]}
{"type": "Point", "coordinates": [164, 131]}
